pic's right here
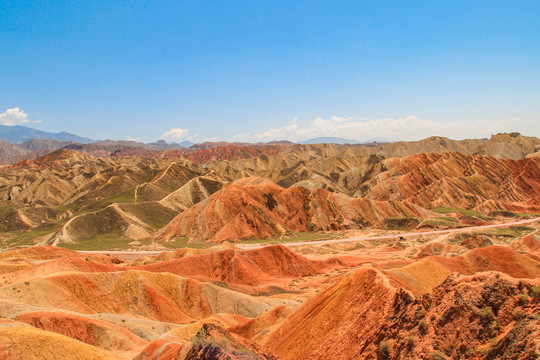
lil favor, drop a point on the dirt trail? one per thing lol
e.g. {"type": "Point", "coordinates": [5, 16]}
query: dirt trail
{"type": "Point", "coordinates": [335, 241]}
{"type": "Point", "coordinates": [405, 235]}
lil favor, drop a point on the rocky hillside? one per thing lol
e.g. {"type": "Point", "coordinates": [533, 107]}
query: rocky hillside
{"type": "Point", "coordinates": [486, 316]}
{"type": "Point", "coordinates": [354, 193]}
{"type": "Point", "coordinates": [393, 300]}
{"type": "Point", "coordinates": [74, 199]}
{"type": "Point", "coordinates": [501, 146]}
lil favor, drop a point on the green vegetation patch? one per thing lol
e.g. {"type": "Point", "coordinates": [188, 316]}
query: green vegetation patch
{"type": "Point", "coordinates": [510, 232]}
{"type": "Point", "coordinates": [108, 241]}
{"type": "Point", "coordinates": [69, 207]}
{"type": "Point", "coordinates": [449, 210]}
{"type": "Point", "coordinates": [4, 209]}
{"type": "Point", "coordinates": [297, 237]}
{"type": "Point", "coordinates": [152, 213]}
{"type": "Point", "coordinates": [401, 223]}
{"type": "Point", "coordinates": [446, 219]}
{"type": "Point", "coordinates": [438, 222]}
{"type": "Point", "coordinates": [127, 196]}
{"type": "Point", "coordinates": [182, 242]}
{"type": "Point", "coordinates": [28, 237]}
{"type": "Point", "coordinates": [522, 228]}
{"type": "Point", "coordinates": [93, 225]}
{"type": "Point", "coordinates": [511, 214]}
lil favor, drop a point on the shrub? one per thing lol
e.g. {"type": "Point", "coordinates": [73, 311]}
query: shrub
{"type": "Point", "coordinates": [535, 291]}
{"type": "Point", "coordinates": [410, 342]}
{"type": "Point", "coordinates": [518, 314]}
{"type": "Point", "coordinates": [494, 327]}
{"type": "Point", "coordinates": [523, 299]}
{"type": "Point", "coordinates": [422, 325]}
{"type": "Point", "coordinates": [384, 348]}
{"type": "Point", "coordinates": [201, 334]}
{"type": "Point", "coordinates": [486, 315]}
{"type": "Point", "coordinates": [245, 351]}
{"type": "Point", "coordinates": [436, 356]}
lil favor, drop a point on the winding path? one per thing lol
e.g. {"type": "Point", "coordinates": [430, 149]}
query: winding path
{"type": "Point", "coordinates": [411, 234]}
{"type": "Point", "coordinates": [336, 241]}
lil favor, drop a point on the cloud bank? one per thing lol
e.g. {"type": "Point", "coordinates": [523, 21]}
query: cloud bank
{"type": "Point", "coordinates": [175, 134]}
{"type": "Point", "coordinates": [15, 116]}
{"type": "Point", "coordinates": [392, 129]}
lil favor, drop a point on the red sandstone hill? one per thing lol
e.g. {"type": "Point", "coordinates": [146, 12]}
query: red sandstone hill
{"type": "Point", "coordinates": [402, 188]}
{"type": "Point", "coordinates": [257, 208]}
{"type": "Point", "coordinates": [246, 267]}
{"type": "Point", "coordinates": [67, 197]}
{"type": "Point", "coordinates": [270, 302]}
{"type": "Point", "coordinates": [38, 253]}
{"type": "Point", "coordinates": [379, 319]}
{"type": "Point", "coordinates": [90, 331]}
{"type": "Point", "coordinates": [253, 267]}
{"type": "Point", "coordinates": [200, 156]}
{"type": "Point", "coordinates": [22, 341]}
{"type": "Point", "coordinates": [161, 297]}
{"type": "Point", "coordinates": [229, 152]}
{"type": "Point", "coordinates": [422, 276]}
{"type": "Point", "coordinates": [56, 158]}
{"type": "Point", "coordinates": [460, 181]}
{"type": "Point", "coordinates": [532, 242]}
{"type": "Point", "coordinates": [493, 258]}
{"type": "Point", "coordinates": [211, 342]}
{"type": "Point", "coordinates": [77, 264]}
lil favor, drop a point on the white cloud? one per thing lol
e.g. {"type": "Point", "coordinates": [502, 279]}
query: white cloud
{"type": "Point", "coordinates": [271, 134]}
{"type": "Point", "coordinates": [407, 128]}
{"type": "Point", "coordinates": [211, 138]}
{"type": "Point", "coordinates": [15, 116]}
{"type": "Point", "coordinates": [174, 134]}
{"type": "Point", "coordinates": [133, 139]}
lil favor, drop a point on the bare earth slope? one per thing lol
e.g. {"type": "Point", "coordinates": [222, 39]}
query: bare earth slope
{"type": "Point", "coordinates": [257, 208]}
{"type": "Point", "coordinates": [390, 299]}
{"type": "Point", "coordinates": [403, 188]}
{"type": "Point", "coordinates": [382, 319]}
{"type": "Point", "coordinates": [215, 193]}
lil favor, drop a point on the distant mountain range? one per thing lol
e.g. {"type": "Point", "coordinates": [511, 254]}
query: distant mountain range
{"type": "Point", "coordinates": [328, 140]}
{"type": "Point", "coordinates": [19, 143]}
{"type": "Point", "coordinates": [163, 143]}
{"type": "Point", "coordinates": [18, 134]}
{"type": "Point", "coordinates": [338, 140]}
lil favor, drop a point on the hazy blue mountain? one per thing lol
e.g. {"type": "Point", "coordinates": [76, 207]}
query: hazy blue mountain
{"type": "Point", "coordinates": [337, 140]}
{"type": "Point", "coordinates": [328, 140]}
{"type": "Point", "coordinates": [19, 134]}
{"type": "Point", "coordinates": [186, 143]}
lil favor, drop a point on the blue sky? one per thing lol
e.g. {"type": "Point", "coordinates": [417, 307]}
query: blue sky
{"type": "Point", "coordinates": [265, 70]}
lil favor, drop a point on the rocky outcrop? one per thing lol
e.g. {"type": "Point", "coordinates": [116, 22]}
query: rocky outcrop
{"type": "Point", "coordinates": [211, 342]}
{"type": "Point", "coordinates": [465, 317]}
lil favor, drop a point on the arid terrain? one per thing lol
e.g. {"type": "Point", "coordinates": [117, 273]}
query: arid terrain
{"type": "Point", "coordinates": [407, 250]}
